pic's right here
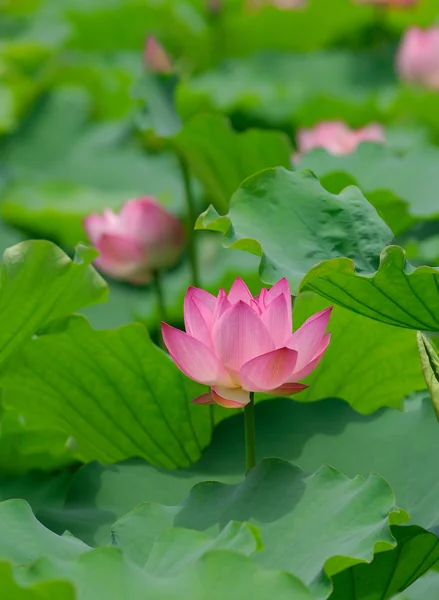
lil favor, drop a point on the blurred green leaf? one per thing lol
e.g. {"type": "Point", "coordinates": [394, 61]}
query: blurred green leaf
{"type": "Point", "coordinates": [47, 590]}
{"type": "Point", "coordinates": [222, 158]}
{"type": "Point", "coordinates": [115, 392]}
{"type": "Point", "coordinates": [397, 293]}
{"type": "Point", "coordinates": [292, 222]}
{"type": "Point", "coordinates": [62, 167]}
{"type": "Point", "coordinates": [39, 283]}
{"type": "Point", "coordinates": [411, 179]}
{"type": "Point", "coordinates": [282, 89]}
{"type": "Point", "coordinates": [424, 588]}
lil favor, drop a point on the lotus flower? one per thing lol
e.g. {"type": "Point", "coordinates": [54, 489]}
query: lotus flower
{"type": "Point", "coordinates": [418, 57]}
{"type": "Point", "coordinates": [239, 344]}
{"type": "Point", "coordinates": [156, 57]}
{"type": "Point", "coordinates": [336, 137]}
{"type": "Point", "coordinates": [144, 237]}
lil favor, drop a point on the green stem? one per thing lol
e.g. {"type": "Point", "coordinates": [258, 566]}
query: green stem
{"type": "Point", "coordinates": [158, 289]}
{"type": "Point", "coordinates": [191, 222]}
{"type": "Point", "coordinates": [250, 443]}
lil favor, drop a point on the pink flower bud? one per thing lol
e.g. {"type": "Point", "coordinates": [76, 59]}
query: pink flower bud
{"type": "Point", "coordinates": [237, 343]}
{"type": "Point", "coordinates": [337, 137]}
{"type": "Point", "coordinates": [156, 57]}
{"type": "Point", "coordinates": [141, 238]}
{"type": "Point", "coordinates": [417, 60]}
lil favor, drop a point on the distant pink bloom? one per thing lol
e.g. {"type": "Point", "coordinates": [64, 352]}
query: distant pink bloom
{"type": "Point", "coordinates": [336, 137]}
{"type": "Point", "coordinates": [141, 238]}
{"type": "Point", "coordinates": [389, 2]}
{"type": "Point", "coordinates": [214, 6]}
{"type": "Point", "coordinates": [239, 344]}
{"type": "Point", "coordinates": [156, 57]}
{"type": "Point", "coordinates": [418, 57]}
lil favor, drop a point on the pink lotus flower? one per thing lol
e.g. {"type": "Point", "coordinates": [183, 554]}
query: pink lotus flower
{"type": "Point", "coordinates": [336, 137]}
{"type": "Point", "coordinates": [156, 57]}
{"type": "Point", "coordinates": [418, 57]}
{"type": "Point", "coordinates": [239, 344]}
{"type": "Point", "coordinates": [142, 238]}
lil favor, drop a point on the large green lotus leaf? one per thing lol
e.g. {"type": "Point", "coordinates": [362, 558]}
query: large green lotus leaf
{"type": "Point", "coordinates": [292, 222]}
{"type": "Point", "coordinates": [430, 368]}
{"type": "Point", "coordinates": [146, 532]}
{"type": "Point", "coordinates": [308, 434]}
{"type": "Point", "coordinates": [40, 283]}
{"type": "Point", "coordinates": [24, 447]}
{"type": "Point", "coordinates": [389, 353]}
{"type": "Point", "coordinates": [115, 392]}
{"type": "Point", "coordinates": [281, 88]}
{"type": "Point", "coordinates": [412, 177]}
{"type": "Point", "coordinates": [176, 563]}
{"type": "Point", "coordinates": [390, 572]}
{"type": "Point", "coordinates": [425, 588]}
{"type": "Point", "coordinates": [46, 590]}
{"type": "Point", "coordinates": [312, 525]}
{"type": "Point", "coordinates": [222, 158]}
{"type": "Point", "coordinates": [24, 539]}
{"type": "Point", "coordinates": [106, 573]}
{"type": "Point", "coordinates": [63, 166]}
{"type": "Point", "coordinates": [396, 293]}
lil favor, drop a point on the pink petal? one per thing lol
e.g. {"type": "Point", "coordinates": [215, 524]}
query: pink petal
{"type": "Point", "coordinates": [222, 304]}
{"type": "Point", "coordinates": [94, 226]}
{"type": "Point", "coordinates": [120, 249]}
{"type": "Point", "coordinates": [307, 339]}
{"type": "Point", "coordinates": [239, 291]}
{"type": "Point", "coordinates": [281, 288]}
{"type": "Point", "coordinates": [204, 399]}
{"type": "Point", "coordinates": [303, 371]}
{"type": "Point", "coordinates": [195, 323]}
{"type": "Point", "coordinates": [277, 320]}
{"type": "Point", "coordinates": [240, 335]}
{"type": "Point", "coordinates": [268, 371]}
{"type": "Point", "coordinates": [230, 397]}
{"type": "Point", "coordinates": [196, 310]}
{"type": "Point", "coordinates": [193, 357]}
{"type": "Point", "coordinates": [288, 389]}
{"type": "Point", "coordinates": [261, 299]}
{"type": "Point", "coordinates": [207, 299]}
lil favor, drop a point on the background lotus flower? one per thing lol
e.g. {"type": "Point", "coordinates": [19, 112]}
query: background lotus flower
{"type": "Point", "coordinates": [156, 57]}
{"type": "Point", "coordinates": [282, 4]}
{"type": "Point", "coordinates": [337, 137]}
{"type": "Point", "coordinates": [239, 344]}
{"type": "Point", "coordinates": [418, 57]}
{"type": "Point", "coordinates": [144, 237]}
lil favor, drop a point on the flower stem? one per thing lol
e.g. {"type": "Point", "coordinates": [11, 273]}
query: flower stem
{"type": "Point", "coordinates": [250, 443]}
{"type": "Point", "coordinates": [193, 258]}
{"type": "Point", "coordinates": [158, 289]}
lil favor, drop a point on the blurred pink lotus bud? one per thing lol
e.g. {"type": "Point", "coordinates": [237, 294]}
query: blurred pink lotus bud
{"type": "Point", "coordinates": [143, 237]}
{"type": "Point", "coordinates": [417, 60]}
{"type": "Point", "coordinates": [156, 57]}
{"type": "Point", "coordinates": [239, 344]}
{"type": "Point", "coordinates": [336, 137]}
